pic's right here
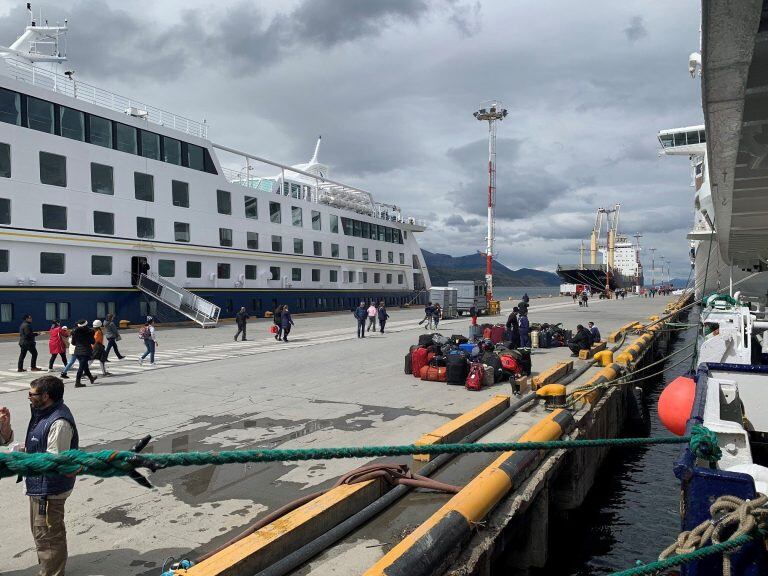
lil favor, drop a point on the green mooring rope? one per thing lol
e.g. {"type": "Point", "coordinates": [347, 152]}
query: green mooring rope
{"type": "Point", "coordinates": [108, 463]}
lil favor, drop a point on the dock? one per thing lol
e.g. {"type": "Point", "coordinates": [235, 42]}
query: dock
{"type": "Point", "coordinates": [327, 388]}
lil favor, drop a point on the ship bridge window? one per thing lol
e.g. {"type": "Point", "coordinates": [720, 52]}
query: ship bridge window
{"type": "Point", "coordinates": [223, 202]}
{"type": "Point", "coordinates": [53, 169]}
{"type": "Point", "coordinates": [347, 226]}
{"type": "Point", "coordinates": [251, 208]}
{"type": "Point", "coordinates": [101, 265]}
{"type": "Point", "coordinates": [666, 140]}
{"type": "Point", "coordinates": [195, 157]}
{"type": "Point", "coordinates": [692, 137]}
{"type": "Point", "coordinates": [54, 217]}
{"type": "Point", "coordinates": [100, 131]}
{"type": "Point", "coordinates": [52, 263]}
{"type": "Point", "coordinates": [10, 107]}
{"type": "Point", "coordinates": [39, 115]}
{"type": "Point", "coordinates": [5, 160]}
{"type": "Point", "coordinates": [180, 193]}
{"type": "Point", "coordinates": [5, 211]}
{"type": "Point", "coordinates": [125, 136]}
{"type": "Point", "coordinates": [150, 145]}
{"type": "Point", "coordinates": [171, 151]}
{"type": "Point", "coordinates": [72, 123]}
{"type": "Point", "coordinates": [103, 223]}
{"type": "Point", "coordinates": [144, 186]}
{"type": "Point", "coordinates": [679, 138]}
{"type": "Point", "coordinates": [102, 179]}
{"type": "Point", "coordinates": [274, 212]}
{"type": "Point", "coordinates": [145, 227]}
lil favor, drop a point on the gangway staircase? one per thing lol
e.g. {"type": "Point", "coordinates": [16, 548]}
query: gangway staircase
{"type": "Point", "coordinates": [183, 301]}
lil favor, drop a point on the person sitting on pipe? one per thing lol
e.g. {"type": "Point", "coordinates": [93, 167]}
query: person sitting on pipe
{"type": "Point", "coordinates": [580, 341]}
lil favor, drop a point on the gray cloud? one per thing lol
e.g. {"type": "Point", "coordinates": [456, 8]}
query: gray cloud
{"type": "Point", "coordinates": [636, 29]}
{"type": "Point", "coordinates": [458, 222]}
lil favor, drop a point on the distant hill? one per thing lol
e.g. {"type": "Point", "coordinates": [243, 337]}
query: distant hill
{"type": "Point", "coordinates": [443, 268]}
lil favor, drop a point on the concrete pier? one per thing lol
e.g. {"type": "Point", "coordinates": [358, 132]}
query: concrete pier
{"type": "Point", "coordinates": [323, 388]}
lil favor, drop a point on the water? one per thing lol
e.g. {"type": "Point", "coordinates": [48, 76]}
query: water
{"type": "Point", "coordinates": [631, 513]}
{"type": "Point", "coordinates": [516, 292]}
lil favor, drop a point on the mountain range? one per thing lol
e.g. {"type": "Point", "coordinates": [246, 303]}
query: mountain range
{"type": "Point", "coordinates": [443, 268]}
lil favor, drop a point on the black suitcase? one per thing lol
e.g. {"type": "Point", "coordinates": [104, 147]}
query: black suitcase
{"type": "Point", "coordinates": [456, 369]}
{"type": "Point", "coordinates": [408, 366]}
{"type": "Point", "coordinates": [459, 339]}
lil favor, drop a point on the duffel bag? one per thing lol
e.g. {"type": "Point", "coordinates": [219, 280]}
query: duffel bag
{"type": "Point", "coordinates": [476, 377]}
{"type": "Point", "coordinates": [433, 373]}
{"type": "Point", "coordinates": [418, 359]}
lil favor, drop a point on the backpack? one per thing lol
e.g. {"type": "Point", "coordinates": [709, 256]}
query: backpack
{"type": "Point", "coordinates": [145, 333]}
{"type": "Point", "coordinates": [475, 377]}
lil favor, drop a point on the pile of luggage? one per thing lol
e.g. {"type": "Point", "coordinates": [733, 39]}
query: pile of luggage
{"type": "Point", "coordinates": [457, 361]}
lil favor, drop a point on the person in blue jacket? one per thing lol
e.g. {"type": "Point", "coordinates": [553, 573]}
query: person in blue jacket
{"type": "Point", "coordinates": [361, 313]}
{"type": "Point", "coordinates": [383, 316]}
{"type": "Point", "coordinates": [525, 337]}
{"type": "Point", "coordinates": [285, 323]}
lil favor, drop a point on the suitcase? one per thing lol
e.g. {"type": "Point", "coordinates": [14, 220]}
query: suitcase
{"type": "Point", "coordinates": [475, 331]}
{"type": "Point", "coordinates": [439, 339]}
{"type": "Point", "coordinates": [487, 333]}
{"type": "Point", "coordinates": [489, 376]}
{"type": "Point", "coordinates": [493, 362]}
{"type": "Point", "coordinates": [418, 359]}
{"type": "Point", "coordinates": [459, 339]}
{"type": "Point", "coordinates": [433, 373]}
{"type": "Point", "coordinates": [476, 377]}
{"type": "Point", "coordinates": [408, 365]}
{"type": "Point", "coordinates": [497, 333]}
{"type": "Point", "coordinates": [456, 369]}
{"type": "Point", "coordinates": [466, 348]}
{"type": "Point", "coordinates": [437, 360]}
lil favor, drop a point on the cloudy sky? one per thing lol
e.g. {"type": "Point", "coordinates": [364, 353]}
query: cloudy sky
{"type": "Point", "coordinates": [392, 84]}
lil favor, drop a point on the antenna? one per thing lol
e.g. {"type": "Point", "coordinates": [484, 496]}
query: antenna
{"type": "Point", "coordinates": [317, 149]}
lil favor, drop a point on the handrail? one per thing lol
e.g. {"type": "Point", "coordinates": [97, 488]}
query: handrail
{"type": "Point", "coordinates": [188, 303]}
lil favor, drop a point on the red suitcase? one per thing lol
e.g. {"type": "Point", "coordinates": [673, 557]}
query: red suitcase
{"type": "Point", "coordinates": [418, 359]}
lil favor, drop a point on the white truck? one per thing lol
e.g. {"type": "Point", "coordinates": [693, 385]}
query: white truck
{"type": "Point", "coordinates": [447, 298]}
{"type": "Point", "coordinates": [470, 293]}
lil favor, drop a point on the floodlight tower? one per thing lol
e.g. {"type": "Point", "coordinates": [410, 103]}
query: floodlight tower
{"type": "Point", "coordinates": [491, 112]}
{"type": "Point", "coordinates": [638, 264]}
{"type": "Point", "coordinates": [653, 267]}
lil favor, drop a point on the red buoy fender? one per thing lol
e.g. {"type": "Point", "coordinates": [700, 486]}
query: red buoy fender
{"type": "Point", "coordinates": [676, 403]}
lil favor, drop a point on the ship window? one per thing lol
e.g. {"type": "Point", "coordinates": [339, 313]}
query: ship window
{"type": "Point", "coordinates": [194, 269]}
{"type": "Point", "coordinates": [334, 275]}
{"type": "Point", "coordinates": [195, 157]}
{"type": "Point", "coordinates": [334, 224]}
{"type": "Point", "coordinates": [39, 115]}
{"type": "Point", "coordinates": [315, 275]}
{"type": "Point", "coordinates": [277, 243]}
{"type": "Point", "coordinates": [126, 138]}
{"type": "Point", "coordinates": [274, 272]}
{"type": "Point", "coordinates": [5, 161]}
{"type": "Point", "coordinates": [53, 169]}
{"type": "Point", "coordinates": [366, 229]}
{"type": "Point", "coordinates": [5, 211]}
{"type": "Point", "coordinates": [388, 234]}
{"type": "Point", "coordinates": [679, 139]}
{"type": "Point", "coordinates": [389, 278]}
{"type": "Point", "coordinates": [400, 278]}
{"type": "Point", "coordinates": [223, 202]}
{"type": "Point", "coordinates": [54, 217]}
{"type": "Point", "coordinates": [376, 277]}
{"type": "Point", "coordinates": [351, 252]}
{"type": "Point", "coordinates": [365, 277]}
{"type": "Point", "coordinates": [298, 246]}
{"type": "Point", "coordinates": [4, 258]}
{"type": "Point", "coordinates": [350, 277]}
{"type": "Point", "coordinates": [72, 123]}
{"type": "Point", "coordinates": [180, 193]}
{"type": "Point", "coordinates": [102, 179]}
{"type": "Point", "coordinates": [692, 137]}
{"type": "Point", "coordinates": [144, 186]}
{"type": "Point", "coordinates": [274, 212]}
{"type": "Point", "coordinates": [317, 248]}
{"type": "Point", "coordinates": [405, 235]}
{"type": "Point", "coordinates": [357, 228]}
{"type": "Point", "coordinates": [251, 272]}
{"type": "Point", "coordinates": [286, 187]}
{"type": "Point", "coordinates": [251, 208]}
{"type": "Point", "coordinates": [145, 227]}
{"type": "Point", "coordinates": [102, 265]}
{"type": "Point", "coordinates": [252, 240]}
{"type": "Point", "coordinates": [378, 255]}
{"type": "Point", "coordinates": [104, 308]}
{"type": "Point", "coordinates": [181, 231]}
{"type": "Point", "coordinates": [348, 226]}
{"type": "Point", "coordinates": [10, 107]}
{"type": "Point", "coordinates": [295, 191]}
{"type": "Point", "coordinates": [702, 136]}
{"type": "Point", "coordinates": [296, 216]}
{"type": "Point", "coordinates": [365, 254]}
{"type": "Point", "coordinates": [171, 151]}
{"type": "Point", "coordinates": [166, 268]}
{"type": "Point", "coordinates": [100, 131]}
{"type": "Point", "coordinates": [223, 270]}
{"type": "Point", "coordinates": [103, 223]}
{"type": "Point", "coordinates": [382, 233]}
{"type": "Point", "coordinates": [667, 140]}
{"type": "Point", "coordinates": [150, 145]}
{"type": "Point", "coordinates": [374, 232]}
{"type": "Point", "coordinates": [391, 257]}
{"type": "Point", "coordinates": [51, 263]}
{"type": "Point", "coordinates": [402, 258]}
{"type": "Point", "coordinates": [296, 274]}
{"type": "Point", "coordinates": [316, 222]}
{"type": "Point", "coordinates": [225, 237]}
{"type": "Point", "coordinates": [334, 250]}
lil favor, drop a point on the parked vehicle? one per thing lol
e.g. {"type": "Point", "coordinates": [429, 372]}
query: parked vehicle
{"type": "Point", "coordinates": [470, 293]}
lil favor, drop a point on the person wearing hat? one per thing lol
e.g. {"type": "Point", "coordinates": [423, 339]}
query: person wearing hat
{"type": "Point", "coordinates": [83, 341]}
{"type": "Point", "coordinates": [99, 351]}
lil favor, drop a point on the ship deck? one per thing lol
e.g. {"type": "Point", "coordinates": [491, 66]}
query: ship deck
{"type": "Point", "coordinates": [324, 388]}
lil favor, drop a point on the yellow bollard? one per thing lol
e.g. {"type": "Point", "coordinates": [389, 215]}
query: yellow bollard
{"type": "Point", "coordinates": [605, 357]}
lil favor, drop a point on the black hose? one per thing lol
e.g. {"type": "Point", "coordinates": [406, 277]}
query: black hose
{"type": "Point", "coordinates": [326, 540]}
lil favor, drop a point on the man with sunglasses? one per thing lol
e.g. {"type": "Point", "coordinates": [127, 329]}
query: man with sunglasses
{"type": "Point", "coordinates": [52, 429]}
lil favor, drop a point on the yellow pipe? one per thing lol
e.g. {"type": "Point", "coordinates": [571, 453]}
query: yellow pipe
{"type": "Point", "coordinates": [551, 390]}
{"type": "Point", "coordinates": [605, 357]}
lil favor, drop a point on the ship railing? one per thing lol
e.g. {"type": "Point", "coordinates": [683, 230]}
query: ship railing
{"type": "Point", "coordinates": [68, 86]}
{"type": "Point", "coordinates": [187, 303]}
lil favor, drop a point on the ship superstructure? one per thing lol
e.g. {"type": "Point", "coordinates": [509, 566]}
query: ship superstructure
{"type": "Point", "coordinates": [97, 189]}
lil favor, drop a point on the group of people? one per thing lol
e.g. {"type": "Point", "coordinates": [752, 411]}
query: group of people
{"type": "Point", "coordinates": [582, 299]}
{"type": "Point", "coordinates": [368, 316]}
{"type": "Point", "coordinates": [584, 338]}
{"type": "Point", "coordinates": [433, 313]}
{"type": "Point", "coordinates": [518, 327]}
{"type": "Point", "coordinates": [282, 320]}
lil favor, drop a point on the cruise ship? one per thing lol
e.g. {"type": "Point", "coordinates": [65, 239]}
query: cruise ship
{"type": "Point", "coordinates": [111, 206]}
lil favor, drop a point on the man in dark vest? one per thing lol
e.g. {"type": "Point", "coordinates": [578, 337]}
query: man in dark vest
{"type": "Point", "coordinates": [241, 320]}
{"type": "Point", "coordinates": [52, 429]}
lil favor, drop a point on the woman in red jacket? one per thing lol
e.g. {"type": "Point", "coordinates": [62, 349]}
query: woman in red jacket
{"type": "Point", "coordinates": [58, 340]}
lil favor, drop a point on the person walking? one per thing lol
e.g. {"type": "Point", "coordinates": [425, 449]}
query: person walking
{"type": "Point", "coordinates": [112, 334]}
{"type": "Point", "coordinates": [83, 341]}
{"type": "Point", "coordinates": [57, 344]}
{"type": "Point", "coordinates": [277, 320]}
{"type": "Point", "coordinates": [594, 331]}
{"type": "Point", "coordinates": [584, 299]}
{"type": "Point", "coordinates": [383, 316]}
{"type": "Point", "coordinates": [99, 352]}
{"type": "Point", "coordinates": [360, 313]}
{"type": "Point", "coordinates": [241, 319]}
{"type": "Point", "coordinates": [437, 314]}
{"type": "Point", "coordinates": [575, 296]}
{"type": "Point", "coordinates": [525, 337]}
{"type": "Point", "coordinates": [72, 358]}
{"type": "Point", "coordinates": [582, 340]}
{"type": "Point", "coordinates": [372, 314]}
{"type": "Point", "coordinates": [27, 344]}
{"type": "Point", "coordinates": [429, 311]}
{"type": "Point", "coordinates": [286, 322]}
{"type": "Point", "coordinates": [52, 429]}
{"type": "Point", "coordinates": [149, 336]}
